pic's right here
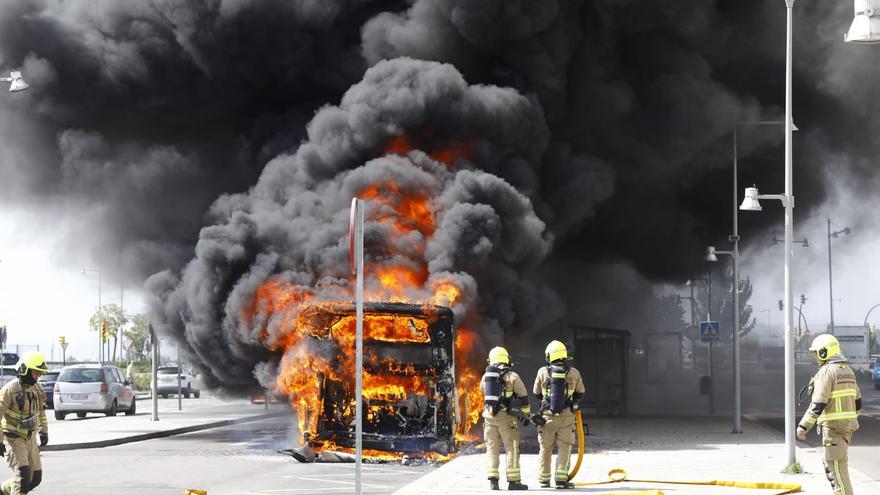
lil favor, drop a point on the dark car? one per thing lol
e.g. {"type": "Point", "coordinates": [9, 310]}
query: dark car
{"type": "Point", "coordinates": [877, 373]}
{"type": "Point", "coordinates": [47, 380]}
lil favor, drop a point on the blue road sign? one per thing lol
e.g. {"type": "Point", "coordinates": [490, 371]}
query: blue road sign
{"type": "Point", "coordinates": [709, 330]}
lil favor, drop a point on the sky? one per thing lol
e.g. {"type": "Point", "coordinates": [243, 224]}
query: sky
{"type": "Point", "coordinates": [42, 299]}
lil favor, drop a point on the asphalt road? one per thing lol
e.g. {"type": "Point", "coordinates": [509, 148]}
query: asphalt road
{"type": "Point", "coordinates": [865, 449]}
{"type": "Point", "coordinates": [234, 460]}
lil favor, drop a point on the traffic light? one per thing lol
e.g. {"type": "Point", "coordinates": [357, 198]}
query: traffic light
{"type": "Point", "coordinates": [62, 340]}
{"type": "Point", "coordinates": [105, 335]}
{"type": "Point", "coordinates": [780, 305]}
{"type": "Point", "coordinates": [803, 299]}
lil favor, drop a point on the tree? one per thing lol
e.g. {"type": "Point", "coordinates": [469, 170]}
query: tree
{"type": "Point", "coordinates": [667, 314]}
{"type": "Point", "coordinates": [110, 319]}
{"type": "Point", "coordinates": [137, 334]}
{"type": "Point", "coordinates": [722, 301]}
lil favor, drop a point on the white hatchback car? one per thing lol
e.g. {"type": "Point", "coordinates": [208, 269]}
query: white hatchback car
{"type": "Point", "coordinates": [85, 388]}
{"type": "Point", "coordinates": [168, 382]}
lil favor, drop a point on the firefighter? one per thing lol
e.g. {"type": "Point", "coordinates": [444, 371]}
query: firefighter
{"type": "Point", "coordinates": [559, 388]}
{"type": "Point", "coordinates": [23, 412]}
{"type": "Point", "coordinates": [835, 404]}
{"type": "Point", "coordinates": [506, 402]}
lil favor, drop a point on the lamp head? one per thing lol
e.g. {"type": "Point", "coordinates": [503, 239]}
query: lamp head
{"type": "Point", "coordinates": [17, 84]}
{"type": "Point", "coordinates": [750, 202]}
{"type": "Point", "coordinates": [710, 254]}
{"type": "Point", "coordinates": [865, 27]}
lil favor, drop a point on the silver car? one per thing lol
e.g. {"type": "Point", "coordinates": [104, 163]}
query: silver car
{"type": "Point", "coordinates": [85, 388]}
{"type": "Point", "coordinates": [169, 378]}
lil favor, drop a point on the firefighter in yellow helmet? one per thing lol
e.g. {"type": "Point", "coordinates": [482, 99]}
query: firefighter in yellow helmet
{"type": "Point", "coordinates": [835, 404]}
{"type": "Point", "coordinates": [23, 412]}
{"type": "Point", "coordinates": [559, 388]}
{"type": "Point", "coordinates": [506, 402]}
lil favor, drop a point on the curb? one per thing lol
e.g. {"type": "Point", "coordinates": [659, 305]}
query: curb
{"type": "Point", "coordinates": [158, 434]}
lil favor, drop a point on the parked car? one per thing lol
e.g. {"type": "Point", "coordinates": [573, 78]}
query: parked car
{"type": "Point", "coordinates": [85, 388]}
{"type": "Point", "coordinates": [877, 373]}
{"type": "Point", "coordinates": [7, 374]}
{"type": "Point", "coordinates": [10, 359]}
{"type": "Point", "coordinates": [47, 380]}
{"type": "Point", "coordinates": [167, 376]}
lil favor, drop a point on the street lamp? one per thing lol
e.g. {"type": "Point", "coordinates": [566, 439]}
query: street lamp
{"type": "Point", "coordinates": [865, 27]}
{"type": "Point", "coordinates": [734, 255]}
{"type": "Point", "coordinates": [100, 311]}
{"type": "Point", "coordinates": [16, 83]}
{"type": "Point", "coordinates": [835, 235]}
{"type": "Point", "coordinates": [750, 202]}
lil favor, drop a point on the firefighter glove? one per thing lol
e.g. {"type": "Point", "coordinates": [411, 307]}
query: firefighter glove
{"type": "Point", "coordinates": [538, 420]}
{"type": "Point", "coordinates": [44, 439]}
{"type": "Point", "coordinates": [2, 449]}
{"type": "Point", "coordinates": [524, 420]}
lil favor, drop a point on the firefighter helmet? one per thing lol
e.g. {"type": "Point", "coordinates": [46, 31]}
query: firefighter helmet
{"type": "Point", "coordinates": [32, 360]}
{"type": "Point", "coordinates": [825, 346]}
{"type": "Point", "coordinates": [555, 351]}
{"type": "Point", "coordinates": [499, 355]}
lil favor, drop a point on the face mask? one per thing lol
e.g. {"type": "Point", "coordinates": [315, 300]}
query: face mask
{"type": "Point", "coordinates": [28, 379]}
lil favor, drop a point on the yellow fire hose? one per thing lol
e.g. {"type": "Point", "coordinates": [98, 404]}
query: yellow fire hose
{"type": "Point", "coordinates": [580, 437]}
{"type": "Point", "coordinates": [618, 475]}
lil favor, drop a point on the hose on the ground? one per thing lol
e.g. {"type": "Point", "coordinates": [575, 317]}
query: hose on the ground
{"type": "Point", "coordinates": [580, 438]}
{"type": "Point", "coordinates": [618, 475]}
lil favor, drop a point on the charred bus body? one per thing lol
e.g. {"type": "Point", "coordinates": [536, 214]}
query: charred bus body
{"type": "Point", "coordinates": [409, 377]}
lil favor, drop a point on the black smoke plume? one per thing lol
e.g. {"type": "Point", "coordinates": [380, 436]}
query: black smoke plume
{"type": "Point", "coordinates": [600, 130]}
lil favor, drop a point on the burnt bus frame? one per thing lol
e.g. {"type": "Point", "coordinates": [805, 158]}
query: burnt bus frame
{"type": "Point", "coordinates": [442, 334]}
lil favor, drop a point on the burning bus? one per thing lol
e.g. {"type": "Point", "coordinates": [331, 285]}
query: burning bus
{"type": "Point", "coordinates": [409, 387]}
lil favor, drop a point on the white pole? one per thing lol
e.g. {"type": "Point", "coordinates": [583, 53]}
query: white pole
{"type": "Point", "coordinates": [789, 235]}
{"type": "Point", "coordinates": [154, 385]}
{"type": "Point", "coordinates": [359, 342]}
{"type": "Point", "coordinates": [737, 402]}
{"type": "Point", "coordinates": [100, 321]}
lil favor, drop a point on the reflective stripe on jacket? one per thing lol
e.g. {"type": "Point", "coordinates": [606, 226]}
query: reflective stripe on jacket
{"type": "Point", "coordinates": [23, 409]}
{"type": "Point", "coordinates": [835, 386]}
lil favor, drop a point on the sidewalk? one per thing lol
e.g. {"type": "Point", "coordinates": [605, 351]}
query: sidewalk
{"type": "Point", "coordinates": [658, 448]}
{"type": "Point", "coordinates": [96, 430]}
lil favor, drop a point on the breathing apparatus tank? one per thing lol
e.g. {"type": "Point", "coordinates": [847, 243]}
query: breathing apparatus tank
{"type": "Point", "coordinates": [493, 388]}
{"type": "Point", "coordinates": [558, 388]}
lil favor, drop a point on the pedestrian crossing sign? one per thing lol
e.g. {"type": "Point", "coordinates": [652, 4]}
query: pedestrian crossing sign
{"type": "Point", "coordinates": [709, 330]}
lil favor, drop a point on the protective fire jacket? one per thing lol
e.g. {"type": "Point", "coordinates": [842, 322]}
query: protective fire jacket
{"type": "Point", "coordinates": [836, 398]}
{"type": "Point", "coordinates": [23, 410]}
{"type": "Point", "coordinates": [573, 385]}
{"type": "Point", "coordinates": [512, 387]}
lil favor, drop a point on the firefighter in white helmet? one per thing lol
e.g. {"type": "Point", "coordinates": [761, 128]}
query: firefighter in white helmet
{"type": "Point", "coordinates": [835, 404]}
{"type": "Point", "coordinates": [559, 388]}
{"type": "Point", "coordinates": [23, 412]}
{"type": "Point", "coordinates": [506, 402]}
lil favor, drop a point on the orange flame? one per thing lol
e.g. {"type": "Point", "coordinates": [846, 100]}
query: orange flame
{"type": "Point", "coordinates": [283, 308]}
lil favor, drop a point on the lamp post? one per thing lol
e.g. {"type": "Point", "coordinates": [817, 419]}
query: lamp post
{"type": "Point", "coordinates": [835, 235]}
{"type": "Point", "coordinates": [865, 27]}
{"type": "Point", "coordinates": [750, 202]}
{"type": "Point", "coordinates": [100, 311]}
{"type": "Point", "coordinates": [16, 82]}
{"type": "Point", "coordinates": [869, 314]}
{"type": "Point", "coordinates": [734, 255]}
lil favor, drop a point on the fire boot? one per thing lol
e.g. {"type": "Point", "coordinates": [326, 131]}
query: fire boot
{"type": "Point", "coordinates": [516, 485]}
{"type": "Point", "coordinates": [564, 485]}
{"type": "Point", "coordinates": [493, 484]}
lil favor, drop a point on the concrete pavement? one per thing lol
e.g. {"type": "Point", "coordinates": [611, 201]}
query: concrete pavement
{"type": "Point", "coordinates": [97, 430]}
{"type": "Point", "coordinates": [660, 448]}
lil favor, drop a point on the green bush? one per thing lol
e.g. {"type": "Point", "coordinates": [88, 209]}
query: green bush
{"type": "Point", "coordinates": [141, 381]}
